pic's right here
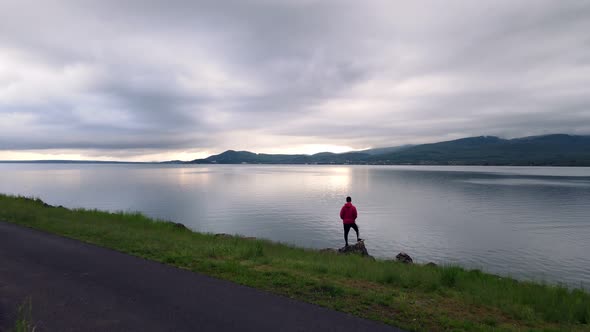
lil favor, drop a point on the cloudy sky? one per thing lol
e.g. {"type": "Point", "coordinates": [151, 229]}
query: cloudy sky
{"type": "Point", "coordinates": [160, 80]}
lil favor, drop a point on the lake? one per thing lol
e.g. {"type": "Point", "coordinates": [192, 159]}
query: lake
{"type": "Point", "coordinates": [526, 222]}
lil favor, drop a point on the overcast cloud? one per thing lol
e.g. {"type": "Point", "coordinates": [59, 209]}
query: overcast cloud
{"type": "Point", "coordinates": [156, 80]}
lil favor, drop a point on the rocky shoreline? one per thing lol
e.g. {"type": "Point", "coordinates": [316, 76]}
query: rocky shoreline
{"type": "Point", "coordinates": [358, 248]}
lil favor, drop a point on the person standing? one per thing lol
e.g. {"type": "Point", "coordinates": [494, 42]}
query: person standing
{"type": "Point", "coordinates": [348, 214]}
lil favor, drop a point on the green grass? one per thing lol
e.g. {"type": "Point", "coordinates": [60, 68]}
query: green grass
{"type": "Point", "coordinates": [414, 297]}
{"type": "Point", "coordinates": [23, 320]}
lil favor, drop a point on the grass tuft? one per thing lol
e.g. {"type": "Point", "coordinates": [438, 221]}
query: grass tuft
{"type": "Point", "coordinates": [449, 276]}
{"type": "Point", "coordinates": [24, 318]}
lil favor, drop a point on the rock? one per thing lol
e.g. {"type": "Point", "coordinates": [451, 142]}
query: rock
{"type": "Point", "coordinates": [357, 248]}
{"type": "Point", "coordinates": [404, 258]}
{"type": "Point", "coordinates": [431, 264]}
{"type": "Point", "coordinates": [177, 225]}
{"type": "Point", "coordinates": [229, 236]}
{"type": "Point", "coordinates": [223, 235]}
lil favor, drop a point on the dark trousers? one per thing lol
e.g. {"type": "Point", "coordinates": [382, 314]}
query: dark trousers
{"type": "Point", "coordinates": [347, 228]}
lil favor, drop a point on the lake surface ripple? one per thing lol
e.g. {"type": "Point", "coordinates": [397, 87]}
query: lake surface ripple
{"type": "Point", "coordinates": [526, 222]}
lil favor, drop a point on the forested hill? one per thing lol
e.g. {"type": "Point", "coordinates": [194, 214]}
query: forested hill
{"type": "Point", "coordinates": [239, 157]}
{"type": "Point", "coordinates": [548, 150]}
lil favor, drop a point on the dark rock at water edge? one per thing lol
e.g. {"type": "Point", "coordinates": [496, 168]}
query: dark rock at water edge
{"type": "Point", "coordinates": [177, 225]}
{"type": "Point", "coordinates": [223, 235]}
{"type": "Point", "coordinates": [404, 258]}
{"type": "Point", "coordinates": [360, 249]}
{"type": "Point", "coordinates": [229, 236]}
{"type": "Point", "coordinates": [53, 206]}
{"type": "Point", "coordinates": [357, 248]}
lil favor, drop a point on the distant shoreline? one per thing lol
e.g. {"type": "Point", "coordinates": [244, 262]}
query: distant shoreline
{"type": "Point", "coordinates": [560, 150]}
{"type": "Point", "coordinates": [65, 162]}
{"type": "Point", "coordinates": [72, 162]}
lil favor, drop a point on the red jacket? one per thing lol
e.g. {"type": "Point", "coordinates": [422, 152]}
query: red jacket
{"type": "Point", "coordinates": [348, 213]}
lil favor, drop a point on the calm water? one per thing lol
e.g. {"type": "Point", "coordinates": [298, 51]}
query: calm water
{"type": "Point", "coordinates": [530, 223]}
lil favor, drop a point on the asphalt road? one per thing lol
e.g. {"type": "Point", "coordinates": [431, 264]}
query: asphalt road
{"type": "Point", "coordinates": [74, 286]}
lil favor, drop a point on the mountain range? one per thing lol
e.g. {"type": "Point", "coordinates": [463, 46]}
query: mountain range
{"type": "Point", "coordinates": [547, 150]}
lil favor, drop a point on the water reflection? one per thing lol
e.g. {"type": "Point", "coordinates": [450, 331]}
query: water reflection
{"type": "Point", "coordinates": [526, 222]}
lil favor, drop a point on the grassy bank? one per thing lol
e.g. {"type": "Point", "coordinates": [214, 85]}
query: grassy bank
{"type": "Point", "coordinates": [413, 297]}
